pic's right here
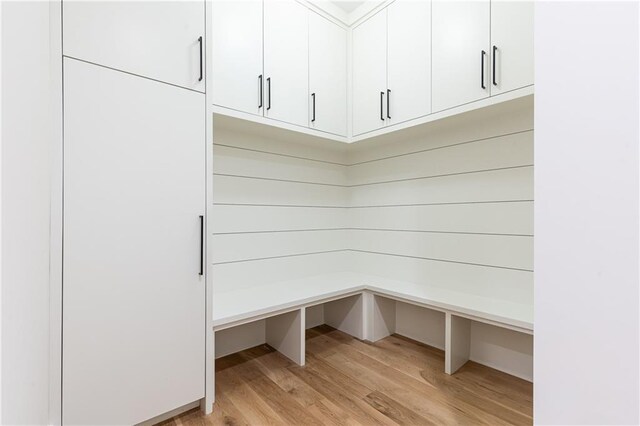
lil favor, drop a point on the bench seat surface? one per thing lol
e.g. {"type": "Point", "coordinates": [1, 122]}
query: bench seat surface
{"type": "Point", "coordinates": [245, 304]}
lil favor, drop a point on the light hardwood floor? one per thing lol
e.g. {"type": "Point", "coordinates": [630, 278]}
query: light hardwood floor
{"type": "Point", "coordinates": [349, 382]}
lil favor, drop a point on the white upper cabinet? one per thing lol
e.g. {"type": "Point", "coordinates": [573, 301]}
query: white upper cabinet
{"type": "Point", "coordinates": [286, 61]}
{"type": "Point", "coordinates": [461, 61]}
{"type": "Point", "coordinates": [161, 40]}
{"type": "Point", "coordinates": [511, 45]}
{"type": "Point", "coordinates": [327, 76]}
{"type": "Point", "coordinates": [409, 60]}
{"type": "Point", "coordinates": [237, 55]}
{"type": "Point", "coordinates": [370, 74]}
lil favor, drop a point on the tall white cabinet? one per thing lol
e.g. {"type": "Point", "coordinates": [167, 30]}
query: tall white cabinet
{"type": "Point", "coordinates": [133, 317]}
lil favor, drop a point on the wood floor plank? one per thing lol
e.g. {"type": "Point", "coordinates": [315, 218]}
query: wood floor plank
{"type": "Point", "coordinates": [341, 397]}
{"type": "Point", "coordinates": [227, 413]}
{"type": "Point", "coordinates": [322, 345]}
{"type": "Point", "coordinates": [250, 403]}
{"type": "Point", "coordinates": [277, 370]}
{"type": "Point", "coordinates": [456, 386]}
{"type": "Point", "coordinates": [331, 414]}
{"type": "Point", "coordinates": [325, 370]}
{"type": "Point", "coordinates": [389, 379]}
{"type": "Point", "coordinates": [409, 364]}
{"type": "Point", "coordinates": [477, 396]}
{"type": "Point", "coordinates": [395, 410]}
{"type": "Point", "coordinates": [348, 382]}
{"type": "Point", "coordinates": [283, 403]}
{"type": "Point", "coordinates": [426, 402]}
{"type": "Point", "coordinates": [474, 389]}
{"type": "Point", "coordinates": [498, 381]}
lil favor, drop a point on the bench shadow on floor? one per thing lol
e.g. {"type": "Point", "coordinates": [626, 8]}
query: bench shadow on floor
{"type": "Point", "coordinates": [346, 381]}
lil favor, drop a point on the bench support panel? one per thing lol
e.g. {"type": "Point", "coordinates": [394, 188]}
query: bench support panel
{"type": "Point", "coordinates": [457, 342]}
{"type": "Point", "coordinates": [346, 315]}
{"type": "Point", "coordinates": [286, 332]}
{"type": "Point", "coordinates": [379, 317]}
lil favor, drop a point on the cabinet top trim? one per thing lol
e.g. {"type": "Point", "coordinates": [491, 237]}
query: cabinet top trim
{"type": "Point", "coordinates": [348, 19]}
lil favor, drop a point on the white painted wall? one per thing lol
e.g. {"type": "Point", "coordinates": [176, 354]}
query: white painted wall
{"type": "Point", "coordinates": [26, 138]}
{"type": "Point", "coordinates": [586, 213]}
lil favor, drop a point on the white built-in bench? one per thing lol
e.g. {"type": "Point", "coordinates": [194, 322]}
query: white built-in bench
{"type": "Point", "coordinates": [364, 307]}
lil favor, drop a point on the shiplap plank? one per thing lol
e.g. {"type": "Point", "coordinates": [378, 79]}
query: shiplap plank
{"type": "Point", "coordinates": [495, 185]}
{"type": "Point", "coordinates": [494, 153]}
{"type": "Point", "coordinates": [232, 161]}
{"type": "Point", "coordinates": [239, 190]}
{"type": "Point", "coordinates": [237, 247]}
{"type": "Point", "coordinates": [491, 250]}
{"type": "Point", "coordinates": [257, 273]}
{"type": "Point", "coordinates": [494, 283]}
{"type": "Point", "coordinates": [489, 122]}
{"type": "Point", "coordinates": [499, 218]}
{"type": "Point", "coordinates": [233, 218]}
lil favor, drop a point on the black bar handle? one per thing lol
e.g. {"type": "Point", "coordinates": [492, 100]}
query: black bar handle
{"type": "Point", "coordinates": [268, 93]}
{"type": "Point", "coordinates": [201, 245]}
{"type": "Point", "coordinates": [313, 96]}
{"type": "Point", "coordinates": [482, 69]}
{"type": "Point", "coordinates": [381, 107]}
{"type": "Point", "coordinates": [495, 49]}
{"type": "Point", "coordinates": [201, 65]}
{"type": "Point", "coordinates": [260, 90]}
{"type": "Point", "coordinates": [388, 101]}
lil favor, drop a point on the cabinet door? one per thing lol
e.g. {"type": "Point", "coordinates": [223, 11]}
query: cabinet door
{"type": "Point", "coordinates": [370, 74]}
{"type": "Point", "coordinates": [460, 68]}
{"type": "Point", "coordinates": [409, 60]}
{"type": "Point", "coordinates": [512, 45]}
{"type": "Point", "coordinates": [237, 55]}
{"type": "Point", "coordinates": [134, 302]}
{"type": "Point", "coordinates": [286, 61]}
{"type": "Point", "coordinates": [154, 39]}
{"type": "Point", "coordinates": [327, 75]}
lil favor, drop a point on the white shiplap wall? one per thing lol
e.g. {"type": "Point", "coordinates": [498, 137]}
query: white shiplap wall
{"type": "Point", "coordinates": [449, 204]}
{"type": "Point", "coordinates": [279, 206]}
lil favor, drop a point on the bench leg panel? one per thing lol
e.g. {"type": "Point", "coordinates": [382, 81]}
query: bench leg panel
{"type": "Point", "coordinates": [457, 342]}
{"type": "Point", "coordinates": [346, 315]}
{"type": "Point", "coordinates": [380, 317]}
{"type": "Point", "coordinates": [285, 333]}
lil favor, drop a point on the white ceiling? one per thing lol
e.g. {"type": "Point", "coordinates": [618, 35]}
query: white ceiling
{"type": "Point", "coordinates": [348, 6]}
